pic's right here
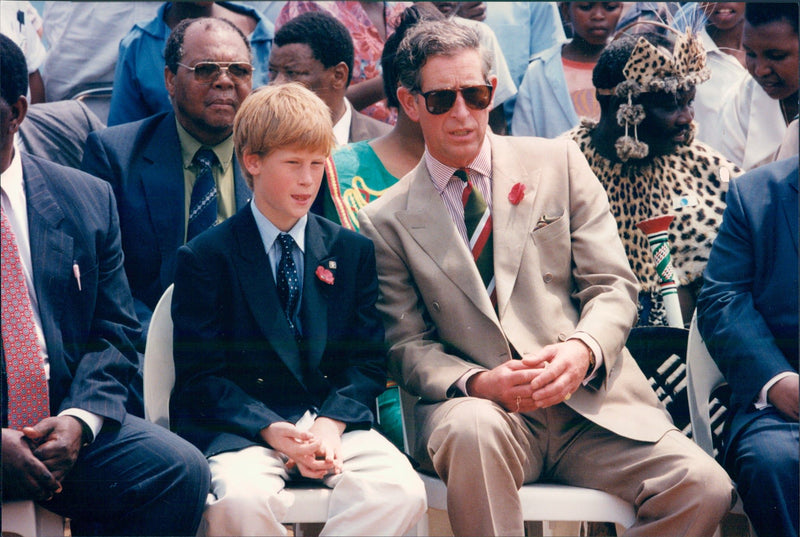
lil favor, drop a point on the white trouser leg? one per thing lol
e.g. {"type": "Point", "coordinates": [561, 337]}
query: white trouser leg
{"type": "Point", "coordinates": [247, 493]}
{"type": "Point", "coordinates": [377, 493]}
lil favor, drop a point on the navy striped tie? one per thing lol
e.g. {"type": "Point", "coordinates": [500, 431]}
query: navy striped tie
{"type": "Point", "coordinates": [203, 204]}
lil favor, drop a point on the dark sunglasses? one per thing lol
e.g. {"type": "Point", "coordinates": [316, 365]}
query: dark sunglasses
{"type": "Point", "coordinates": [440, 101]}
{"type": "Point", "coordinates": [209, 72]}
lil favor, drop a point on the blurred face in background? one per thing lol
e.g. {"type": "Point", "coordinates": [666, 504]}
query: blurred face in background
{"type": "Point", "coordinates": [723, 15]}
{"type": "Point", "coordinates": [295, 62]}
{"type": "Point", "coordinates": [594, 22]}
{"type": "Point", "coordinates": [771, 56]}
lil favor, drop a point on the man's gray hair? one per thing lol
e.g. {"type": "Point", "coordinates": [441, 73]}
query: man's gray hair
{"type": "Point", "coordinates": [435, 38]}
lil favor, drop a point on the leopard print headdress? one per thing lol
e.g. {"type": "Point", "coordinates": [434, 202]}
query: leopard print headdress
{"type": "Point", "coordinates": [653, 69]}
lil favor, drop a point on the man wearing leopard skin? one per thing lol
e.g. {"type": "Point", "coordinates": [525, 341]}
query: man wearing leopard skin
{"type": "Point", "coordinates": [643, 151]}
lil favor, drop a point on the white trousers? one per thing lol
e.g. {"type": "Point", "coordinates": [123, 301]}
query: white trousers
{"type": "Point", "coordinates": [377, 493]}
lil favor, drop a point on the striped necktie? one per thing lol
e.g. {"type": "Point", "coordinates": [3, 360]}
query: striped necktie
{"type": "Point", "coordinates": [28, 400]}
{"type": "Point", "coordinates": [203, 204]}
{"type": "Point", "coordinates": [478, 220]}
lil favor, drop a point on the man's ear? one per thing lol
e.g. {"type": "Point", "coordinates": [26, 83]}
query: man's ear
{"type": "Point", "coordinates": [252, 163]}
{"type": "Point", "coordinates": [169, 81]}
{"type": "Point", "coordinates": [408, 102]}
{"type": "Point", "coordinates": [493, 82]}
{"type": "Point", "coordinates": [340, 71]}
{"type": "Point", "coordinates": [18, 112]}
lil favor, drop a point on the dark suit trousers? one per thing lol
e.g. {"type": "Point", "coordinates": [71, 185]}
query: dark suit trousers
{"type": "Point", "coordinates": [764, 463]}
{"type": "Point", "coordinates": [135, 479]}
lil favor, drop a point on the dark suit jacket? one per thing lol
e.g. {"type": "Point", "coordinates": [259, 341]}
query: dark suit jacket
{"type": "Point", "coordinates": [747, 311]}
{"type": "Point", "coordinates": [72, 218]}
{"type": "Point", "coordinates": [142, 161]}
{"type": "Point", "coordinates": [238, 367]}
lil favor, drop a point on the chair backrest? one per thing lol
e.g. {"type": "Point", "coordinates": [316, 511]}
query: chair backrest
{"type": "Point", "coordinates": [159, 368]}
{"type": "Point", "coordinates": [660, 352]}
{"type": "Point", "coordinates": [703, 378]}
{"type": "Point", "coordinates": [97, 98]}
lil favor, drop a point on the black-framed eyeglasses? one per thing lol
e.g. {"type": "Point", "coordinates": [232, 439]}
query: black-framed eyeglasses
{"type": "Point", "coordinates": [209, 72]}
{"type": "Point", "coordinates": [440, 101]}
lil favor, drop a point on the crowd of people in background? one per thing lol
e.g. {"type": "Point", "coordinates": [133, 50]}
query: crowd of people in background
{"type": "Point", "coordinates": [441, 196]}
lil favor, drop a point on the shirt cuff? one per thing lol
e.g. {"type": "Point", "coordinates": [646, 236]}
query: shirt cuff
{"type": "Point", "coordinates": [595, 348]}
{"type": "Point", "coordinates": [461, 383]}
{"type": "Point", "coordinates": [761, 403]}
{"type": "Point", "coordinates": [93, 421]}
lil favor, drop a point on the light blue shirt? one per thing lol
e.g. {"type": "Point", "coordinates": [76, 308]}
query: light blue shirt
{"type": "Point", "coordinates": [269, 237]}
{"type": "Point", "coordinates": [544, 106]}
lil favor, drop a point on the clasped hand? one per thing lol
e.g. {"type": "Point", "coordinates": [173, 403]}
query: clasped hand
{"type": "Point", "coordinates": [316, 453]}
{"type": "Point", "coordinates": [36, 459]}
{"type": "Point", "coordinates": [537, 380]}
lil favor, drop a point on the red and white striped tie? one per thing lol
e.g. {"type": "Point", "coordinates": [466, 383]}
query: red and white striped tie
{"type": "Point", "coordinates": [478, 220]}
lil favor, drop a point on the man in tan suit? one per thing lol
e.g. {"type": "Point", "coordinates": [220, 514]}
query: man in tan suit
{"type": "Point", "coordinates": [522, 371]}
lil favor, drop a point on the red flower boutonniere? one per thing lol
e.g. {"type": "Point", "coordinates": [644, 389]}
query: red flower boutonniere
{"type": "Point", "coordinates": [516, 194]}
{"type": "Point", "coordinates": [324, 275]}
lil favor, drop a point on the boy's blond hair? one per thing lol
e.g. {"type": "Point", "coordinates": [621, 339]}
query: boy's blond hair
{"type": "Point", "coordinates": [280, 116]}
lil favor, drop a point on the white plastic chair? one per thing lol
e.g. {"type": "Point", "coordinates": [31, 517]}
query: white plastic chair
{"type": "Point", "coordinates": [97, 98]}
{"type": "Point", "coordinates": [310, 503]}
{"type": "Point", "coordinates": [540, 501]}
{"type": "Point", "coordinates": [702, 378]}
{"type": "Point", "coordinates": [27, 519]}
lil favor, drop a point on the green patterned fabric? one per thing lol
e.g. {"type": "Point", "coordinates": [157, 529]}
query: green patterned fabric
{"type": "Point", "coordinates": [359, 178]}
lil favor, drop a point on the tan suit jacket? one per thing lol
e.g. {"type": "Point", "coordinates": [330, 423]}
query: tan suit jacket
{"type": "Point", "coordinates": [560, 268]}
{"type": "Point", "coordinates": [363, 127]}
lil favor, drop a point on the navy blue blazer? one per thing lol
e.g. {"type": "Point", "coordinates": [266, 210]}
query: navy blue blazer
{"type": "Point", "coordinates": [238, 366]}
{"type": "Point", "coordinates": [72, 218]}
{"type": "Point", "coordinates": [142, 161]}
{"type": "Point", "coordinates": [747, 311]}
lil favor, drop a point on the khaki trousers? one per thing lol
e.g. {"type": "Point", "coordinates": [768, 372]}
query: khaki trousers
{"type": "Point", "coordinates": [485, 454]}
{"type": "Point", "coordinates": [377, 493]}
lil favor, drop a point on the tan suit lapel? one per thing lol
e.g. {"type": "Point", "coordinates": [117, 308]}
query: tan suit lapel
{"type": "Point", "coordinates": [429, 224]}
{"type": "Point", "coordinates": [511, 223]}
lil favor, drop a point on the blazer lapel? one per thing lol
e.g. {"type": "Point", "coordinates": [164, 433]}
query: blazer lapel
{"type": "Point", "coordinates": [255, 275]}
{"type": "Point", "coordinates": [512, 223]}
{"type": "Point", "coordinates": [429, 224]}
{"type": "Point", "coordinates": [162, 180]}
{"type": "Point", "coordinates": [52, 252]}
{"type": "Point", "coordinates": [314, 306]}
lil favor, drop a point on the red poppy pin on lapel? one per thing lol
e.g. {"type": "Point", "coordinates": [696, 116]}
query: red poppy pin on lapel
{"type": "Point", "coordinates": [324, 275]}
{"type": "Point", "coordinates": [516, 194]}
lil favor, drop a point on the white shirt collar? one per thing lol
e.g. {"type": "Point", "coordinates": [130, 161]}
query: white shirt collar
{"type": "Point", "coordinates": [342, 128]}
{"type": "Point", "coordinates": [13, 185]}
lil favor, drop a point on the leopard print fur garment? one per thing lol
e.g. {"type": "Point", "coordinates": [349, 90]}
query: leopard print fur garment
{"type": "Point", "coordinates": [687, 184]}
